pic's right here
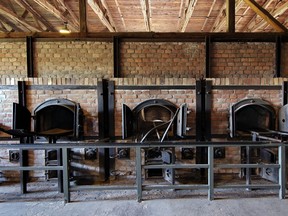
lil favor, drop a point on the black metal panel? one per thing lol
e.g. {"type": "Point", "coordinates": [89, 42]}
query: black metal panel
{"type": "Point", "coordinates": [208, 56]}
{"type": "Point", "coordinates": [285, 93]}
{"type": "Point", "coordinates": [208, 105]}
{"type": "Point", "coordinates": [278, 56]}
{"type": "Point", "coordinates": [21, 118]}
{"type": "Point", "coordinates": [182, 121]}
{"type": "Point", "coordinates": [106, 103]}
{"type": "Point", "coordinates": [127, 122]}
{"type": "Point", "coordinates": [30, 59]}
{"type": "Point", "coordinates": [24, 175]}
{"type": "Point", "coordinates": [22, 93]}
{"type": "Point", "coordinates": [111, 119]}
{"type": "Point", "coordinates": [116, 56]}
{"type": "Point", "coordinates": [203, 119]}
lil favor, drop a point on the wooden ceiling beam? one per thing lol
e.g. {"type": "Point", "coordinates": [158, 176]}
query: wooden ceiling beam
{"type": "Point", "coordinates": [146, 14]}
{"type": "Point", "coordinates": [83, 16]}
{"type": "Point", "coordinates": [230, 15]}
{"type": "Point", "coordinates": [2, 27]}
{"type": "Point", "coordinates": [53, 10]}
{"type": "Point", "coordinates": [12, 25]}
{"type": "Point", "coordinates": [19, 20]}
{"type": "Point", "coordinates": [188, 14]}
{"type": "Point", "coordinates": [102, 15]}
{"type": "Point", "coordinates": [266, 15]}
{"type": "Point", "coordinates": [278, 12]}
{"type": "Point", "coordinates": [36, 14]}
{"type": "Point", "coordinates": [221, 21]}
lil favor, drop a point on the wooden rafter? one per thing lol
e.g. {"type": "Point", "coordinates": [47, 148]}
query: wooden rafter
{"type": "Point", "coordinates": [2, 27]}
{"type": "Point", "coordinates": [218, 18]}
{"type": "Point", "coordinates": [67, 9]}
{"type": "Point", "coordinates": [9, 3]}
{"type": "Point", "coordinates": [252, 21]}
{"type": "Point", "coordinates": [53, 10]}
{"type": "Point", "coordinates": [188, 14]}
{"type": "Point", "coordinates": [266, 15]}
{"type": "Point", "coordinates": [102, 15]}
{"type": "Point", "coordinates": [120, 13]}
{"type": "Point", "coordinates": [278, 12]}
{"type": "Point", "coordinates": [36, 15]}
{"type": "Point", "coordinates": [180, 14]}
{"type": "Point", "coordinates": [146, 14]}
{"type": "Point", "coordinates": [108, 14]}
{"type": "Point", "coordinates": [12, 25]}
{"type": "Point", "coordinates": [17, 19]}
{"type": "Point", "coordinates": [208, 16]}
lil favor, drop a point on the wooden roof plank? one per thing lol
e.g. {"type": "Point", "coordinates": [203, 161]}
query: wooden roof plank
{"type": "Point", "coordinates": [67, 8]}
{"type": "Point", "coordinates": [53, 10]}
{"type": "Point", "coordinates": [9, 13]}
{"type": "Point", "coordinates": [208, 15]}
{"type": "Point", "coordinates": [279, 11]}
{"type": "Point", "coordinates": [253, 19]}
{"type": "Point", "coordinates": [36, 14]}
{"type": "Point", "coordinates": [188, 14]}
{"type": "Point", "coordinates": [120, 13]}
{"type": "Point", "coordinates": [266, 15]}
{"type": "Point", "coordinates": [104, 19]}
{"type": "Point", "coordinates": [146, 14]}
{"type": "Point", "coordinates": [12, 25]}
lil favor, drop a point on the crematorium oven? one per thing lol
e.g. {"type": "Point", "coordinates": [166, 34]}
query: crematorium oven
{"type": "Point", "coordinates": [57, 118]}
{"type": "Point", "coordinates": [155, 120]}
{"type": "Point", "coordinates": [250, 118]}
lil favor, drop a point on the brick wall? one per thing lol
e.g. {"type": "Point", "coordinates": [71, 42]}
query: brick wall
{"type": "Point", "coordinates": [13, 59]}
{"type": "Point", "coordinates": [92, 59]}
{"type": "Point", "coordinates": [245, 60]}
{"type": "Point", "coordinates": [70, 59]}
{"type": "Point", "coordinates": [142, 59]}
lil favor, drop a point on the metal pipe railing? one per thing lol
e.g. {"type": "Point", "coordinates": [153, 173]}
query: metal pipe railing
{"type": "Point", "coordinates": [139, 187]}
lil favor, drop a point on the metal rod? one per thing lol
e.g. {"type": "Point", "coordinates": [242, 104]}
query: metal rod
{"type": "Point", "coordinates": [211, 173]}
{"type": "Point", "coordinates": [65, 175]}
{"type": "Point", "coordinates": [138, 174]}
{"type": "Point", "coordinates": [282, 171]}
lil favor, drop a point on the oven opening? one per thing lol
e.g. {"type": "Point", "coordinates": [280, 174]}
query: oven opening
{"type": "Point", "coordinates": [253, 118]}
{"type": "Point", "coordinates": [55, 120]}
{"type": "Point", "coordinates": [152, 121]}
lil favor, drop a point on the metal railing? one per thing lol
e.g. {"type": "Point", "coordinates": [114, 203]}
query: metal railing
{"type": "Point", "coordinates": [139, 186]}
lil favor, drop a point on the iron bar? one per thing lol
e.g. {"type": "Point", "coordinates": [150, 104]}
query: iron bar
{"type": "Point", "coordinates": [65, 175]}
{"type": "Point", "coordinates": [139, 183]}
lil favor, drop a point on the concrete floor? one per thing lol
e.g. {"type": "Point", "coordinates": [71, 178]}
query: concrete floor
{"type": "Point", "coordinates": [268, 206]}
{"type": "Point", "coordinates": [44, 200]}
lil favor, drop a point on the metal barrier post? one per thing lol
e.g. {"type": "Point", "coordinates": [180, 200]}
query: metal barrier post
{"type": "Point", "coordinates": [211, 172]}
{"type": "Point", "coordinates": [138, 174]}
{"type": "Point", "coordinates": [282, 170]}
{"type": "Point", "coordinates": [65, 175]}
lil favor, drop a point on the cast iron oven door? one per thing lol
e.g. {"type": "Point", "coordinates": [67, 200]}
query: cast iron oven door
{"type": "Point", "coordinates": [251, 115]}
{"type": "Point", "coordinates": [155, 120]}
{"type": "Point", "coordinates": [152, 118]}
{"type": "Point", "coordinates": [283, 119]}
{"type": "Point", "coordinates": [58, 117]}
